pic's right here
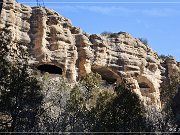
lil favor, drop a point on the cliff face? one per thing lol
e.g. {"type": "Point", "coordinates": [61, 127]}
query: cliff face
{"type": "Point", "coordinates": [127, 57]}
{"type": "Point", "coordinates": [15, 17]}
{"type": "Point", "coordinates": [52, 41]}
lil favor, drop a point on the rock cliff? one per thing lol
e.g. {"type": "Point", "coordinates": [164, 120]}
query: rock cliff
{"type": "Point", "coordinates": [53, 43]}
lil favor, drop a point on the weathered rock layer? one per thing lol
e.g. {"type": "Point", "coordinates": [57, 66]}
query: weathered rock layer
{"type": "Point", "coordinates": [51, 39]}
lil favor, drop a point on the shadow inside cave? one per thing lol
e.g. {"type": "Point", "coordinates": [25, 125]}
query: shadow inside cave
{"type": "Point", "coordinates": [51, 69]}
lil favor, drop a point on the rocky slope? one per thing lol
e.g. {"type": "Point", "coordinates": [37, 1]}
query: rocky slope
{"type": "Point", "coordinates": [53, 43]}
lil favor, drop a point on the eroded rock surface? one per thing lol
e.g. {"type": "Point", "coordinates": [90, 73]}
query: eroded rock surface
{"type": "Point", "coordinates": [123, 56]}
{"type": "Point", "coordinates": [51, 39]}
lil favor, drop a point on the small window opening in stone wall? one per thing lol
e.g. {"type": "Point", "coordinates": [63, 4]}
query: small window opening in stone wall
{"type": "Point", "coordinates": [51, 69]}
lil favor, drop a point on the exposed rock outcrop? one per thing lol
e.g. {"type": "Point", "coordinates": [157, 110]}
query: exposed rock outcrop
{"type": "Point", "coordinates": [51, 39]}
{"type": "Point", "coordinates": [172, 67]}
{"type": "Point", "coordinates": [15, 18]}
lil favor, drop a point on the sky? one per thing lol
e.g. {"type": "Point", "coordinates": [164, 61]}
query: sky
{"type": "Point", "coordinates": [156, 20]}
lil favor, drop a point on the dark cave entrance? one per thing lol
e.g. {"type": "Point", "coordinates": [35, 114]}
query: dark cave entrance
{"type": "Point", "coordinates": [1, 4]}
{"type": "Point", "coordinates": [51, 69]}
{"type": "Point", "coordinates": [109, 80]}
{"type": "Point", "coordinates": [146, 91]}
{"type": "Point", "coordinates": [106, 75]}
{"type": "Point", "coordinates": [144, 87]}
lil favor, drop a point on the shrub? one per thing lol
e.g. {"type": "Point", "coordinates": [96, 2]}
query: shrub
{"type": "Point", "coordinates": [122, 113]}
{"type": "Point", "coordinates": [110, 34]}
{"type": "Point", "coordinates": [165, 57]}
{"type": "Point", "coordinates": [144, 41]}
{"type": "Point", "coordinates": [114, 35]}
{"type": "Point", "coordinates": [106, 33]}
{"type": "Point", "coordinates": [20, 92]}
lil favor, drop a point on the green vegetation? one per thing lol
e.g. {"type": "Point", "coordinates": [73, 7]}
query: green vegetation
{"type": "Point", "coordinates": [168, 92]}
{"type": "Point", "coordinates": [122, 112]}
{"type": "Point", "coordinates": [20, 99]}
{"type": "Point", "coordinates": [20, 93]}
{"type": "Point", "coordinates": [87, 107]}
{"type": "Point", "coordinates": [144, 41]}
{"type": "Point", "coordinates": [30, 102]}
{"type": "Point", "coordinates": [111, 34]}
{"type": "Point", "coordinates": [164, 57]}
{"type": "Point", "coordinates": [106, 33]}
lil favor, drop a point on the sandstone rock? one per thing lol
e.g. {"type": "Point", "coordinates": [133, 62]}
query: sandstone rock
{"type": "Point", "coordinates": [171, 67]}
{"type": "Point", "coordinates": [51, 39]}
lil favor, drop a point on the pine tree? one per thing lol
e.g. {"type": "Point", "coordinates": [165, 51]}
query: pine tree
{"type": "Point", "coordinates": [122, 113]}
{"type": "Point", "coordinates": [20, 93]}
{"type": "Point", "coordinates": [76, 110]}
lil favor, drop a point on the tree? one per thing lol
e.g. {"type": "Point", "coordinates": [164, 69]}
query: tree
{"type": "Point", "coordinates": [91, 84]}
{"type": "Point", "coordinates": [111, 34]}
{"type": "Point", "coordinates": [56, 92]}
{"type": "Point", "coordinates": [20, 99]}
{"type": "Point", "coordinates": [91, 81]}
{"type": "Point", "coordinates": [168, 91]}
{"type": "Point", "coordinates": [80, 106]}
{"type": "Point", "coordinates": [20, 93]}
{"type": "Point", "coordinates": [144, 41]}
{"type": "Point", "coordinates": [100, 118]}
{"type": "Point", "coordinates": [76, 109]}
{"type": "Point", "coordinates": [164, 57]}
{"type": "Point", "coordinates": [106, 33]}
{"type": "Point", "coordinates": [123, 113]}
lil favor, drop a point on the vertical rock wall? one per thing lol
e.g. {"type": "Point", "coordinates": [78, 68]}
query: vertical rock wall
{"type": "Point", "coordinates": [123, 56]}
{"type": "Point", "coordinates": [51, 39]}
{"type": "Point", "coordinates": [14, 18]}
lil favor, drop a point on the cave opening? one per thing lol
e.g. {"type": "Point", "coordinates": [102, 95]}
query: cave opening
{"type": "Point", "coordinates": [1, 4]}
{"type": "Point", "coordinates": [106, 75]}
{"type": "Point", "coordinates": [144, 87]}
{"type": "Point", "coordinates": [109, 80]}
{"type": "Point", "coordinates": [51, 69]}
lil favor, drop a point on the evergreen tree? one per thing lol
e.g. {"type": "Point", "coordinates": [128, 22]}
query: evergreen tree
{"type": "Point", "coordinates": [76, 109]}
{"type": "Point", "coordinates": [20, 93]}
{"type": "Point", "coordinates": [123, 113]}
{"type": "Point", "coordinates": [56, 93]}
{"type": "Point", "coordinates": [101, 113]}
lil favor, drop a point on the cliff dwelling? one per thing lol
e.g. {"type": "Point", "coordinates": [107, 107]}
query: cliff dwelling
{"type": "Point", "coordinates": [51, 69]}
{"type": "Point", "coordinates": [144, 87]}
{"type": "Point", "coordinates": [57, 47]}
{"type": "Point", "coordinates": [107, 75]}
{"type": "Point", "coordinates": [147, 90]}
